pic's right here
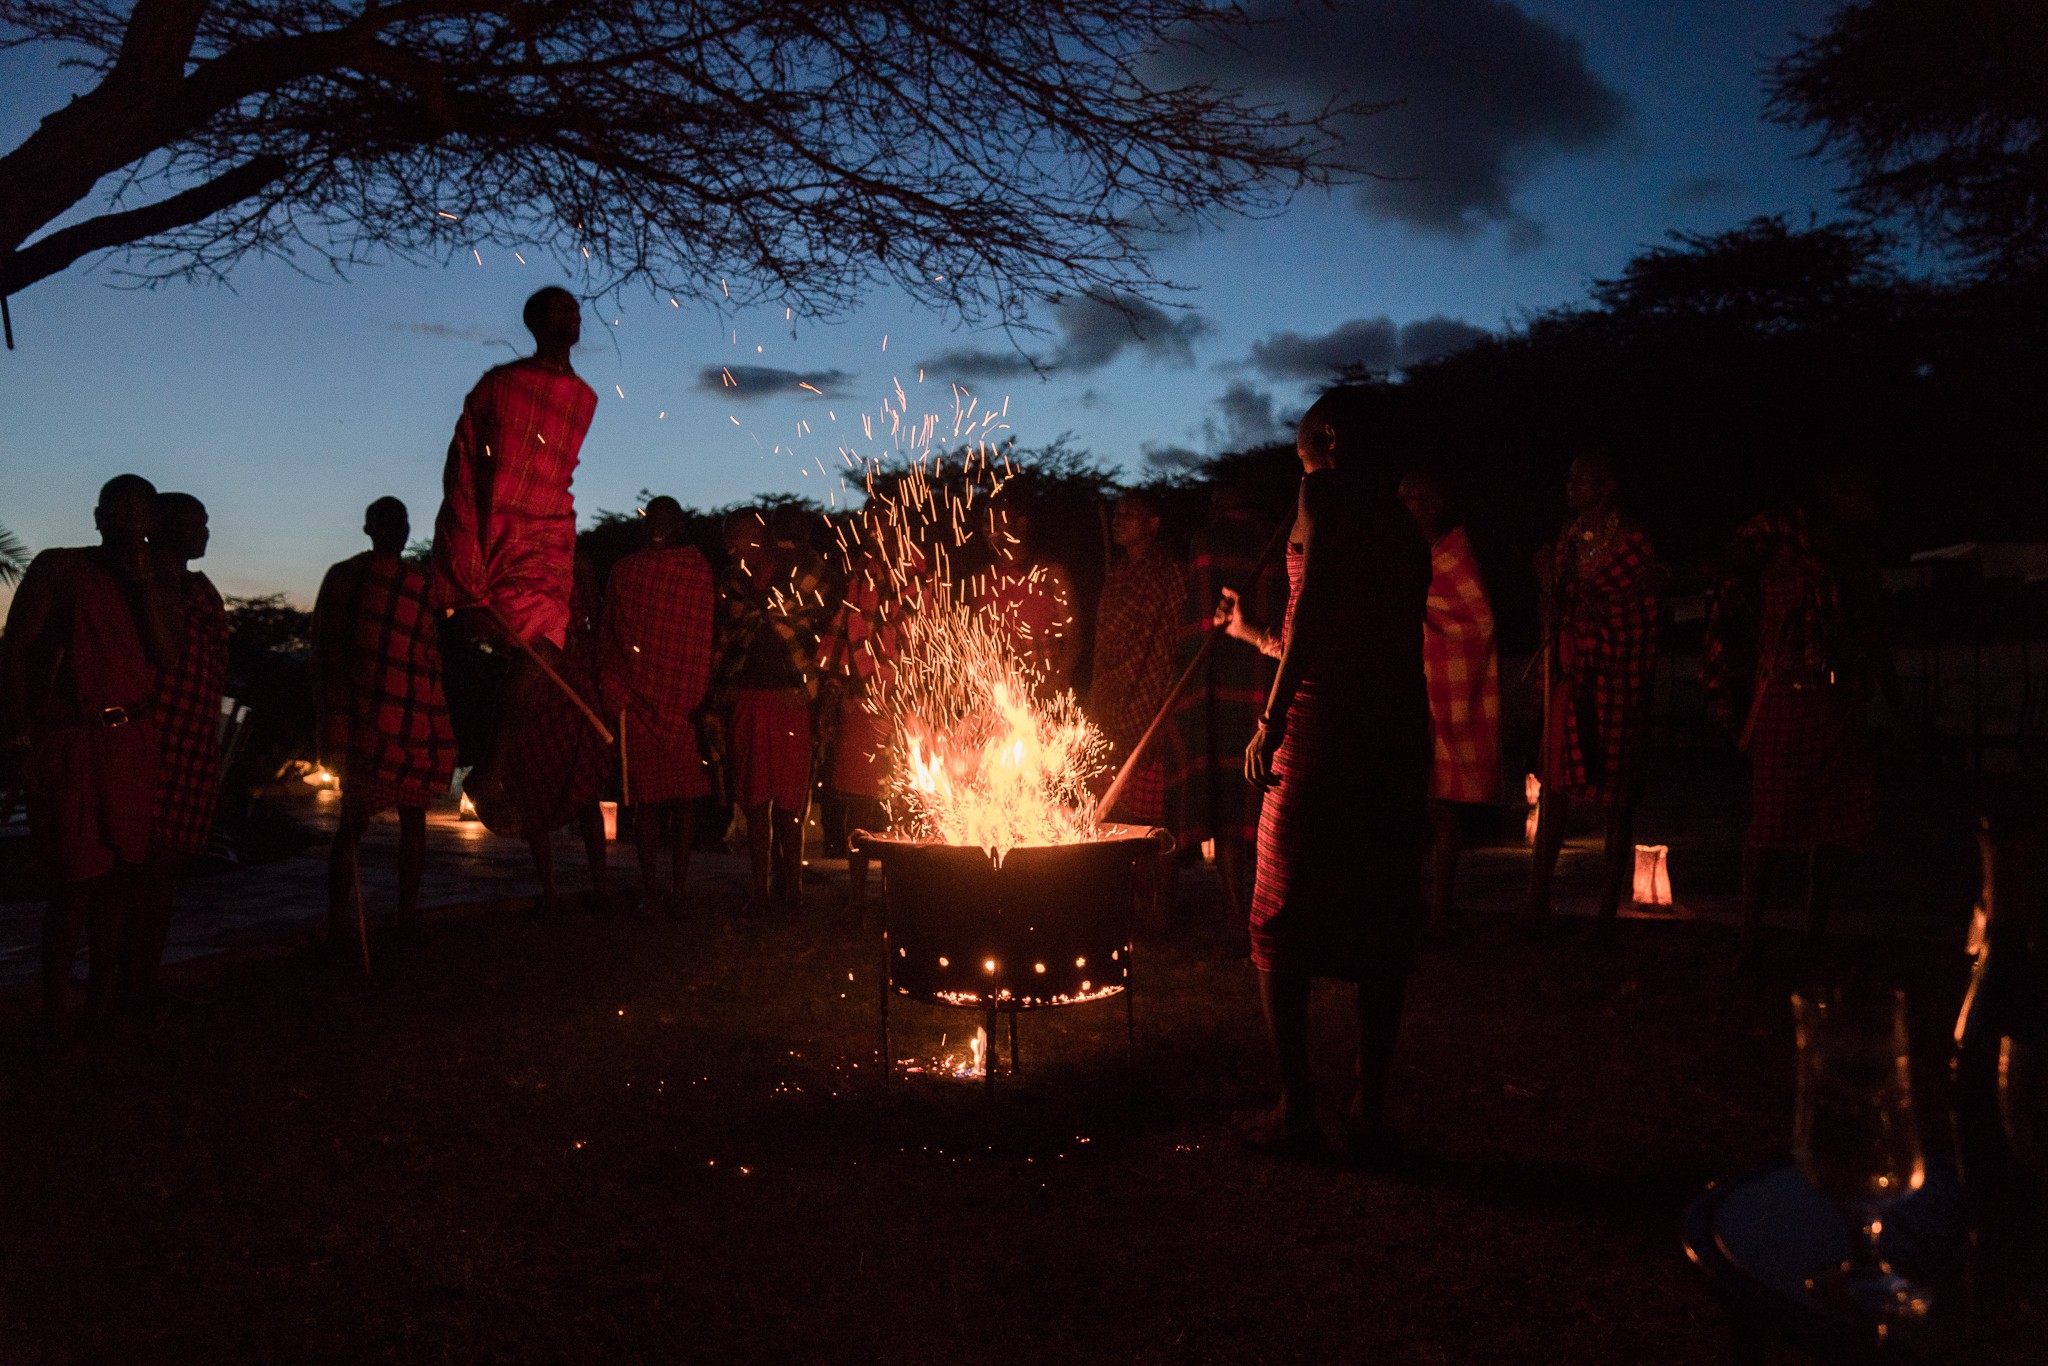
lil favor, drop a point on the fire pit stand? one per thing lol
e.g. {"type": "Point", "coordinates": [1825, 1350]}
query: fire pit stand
{"type": "Point", "coordinates": [1050, 926]}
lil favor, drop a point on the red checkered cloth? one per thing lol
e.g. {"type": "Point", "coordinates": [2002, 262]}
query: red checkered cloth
{"type": "Point", "coordinates": [550, 763]}
{"type": "Point", "coordinates": [1463, 671]}
{"type": "Point", "coordinates": [863, 645]}
{"type": "Point", "coordinates": [188, 714]}
{"type": "Point", "coordinates": [384, 727]}
{"type": "Point", "coordinates": [1607, 652]}
{"type": "Point", "coordinates": [1137, 626]}
{"type": "Point", "coordinates": [1338, 887]}
{"type": "Point", "coordinates": [73, 648]}
{"type": "Point", "coordinates": [506, 533]}
{"type": "Point", "coordinates": [771, 748]}
{"type": "Point", "coordinates": [769, 619]}
{"type": "Point", "coordinates": [1207, 796]}
{"type": "Point", "coordinates": [655, 653]}
{"type": "Point", "coordinates": [1811, 779]}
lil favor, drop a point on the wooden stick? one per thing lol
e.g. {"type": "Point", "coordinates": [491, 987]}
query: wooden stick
{"type": "Point", "coordinates": [549, 669]}
{"type": "Point", "coordinates": [625, 768]}
{"type": "Point", "coordinates": [1180, 685]}
{"type": "Point", "coordinates": [355, 867]}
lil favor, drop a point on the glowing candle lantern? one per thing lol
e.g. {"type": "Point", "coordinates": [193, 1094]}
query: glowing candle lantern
{"type": "Point", "coordinates": [1532, 793]}
{"type": "Point", "coordinates": [611, 819]}
{"type": "Point", "coordinates": [1653, 875]}
{"type": "Point", "coordinates": [465, 809]}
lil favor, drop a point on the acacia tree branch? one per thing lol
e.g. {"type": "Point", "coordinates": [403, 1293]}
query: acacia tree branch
{"type": "Point", "coordinates": [48, 255]}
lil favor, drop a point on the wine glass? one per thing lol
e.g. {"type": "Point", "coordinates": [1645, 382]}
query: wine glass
{"type": "Point", "coordinates": [1856, 1141]}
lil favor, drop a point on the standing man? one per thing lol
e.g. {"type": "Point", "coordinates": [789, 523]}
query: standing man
{"type": "Point", "coordinates": [1207, 795]}
{"type": "Point", "coordinates": [1344, 747]}
{"type": "Point", "coordinates": [1463, 670]}
{"type": "Point", "coordinates": [188, 715]}
{"type": "Point", "coordinates": [504, 575]}
{"type": "Point", "coordinates": [1137, 626]}
{"type": "Point", "coordinates": [1599, 585]}
{"type": "Point", "coordinates": [88, 637]}
{"type": "Point", "coordinates": [383, 721]}
{"type": "Point", "coordinates": [771, 602]}
{"type": "Point", "coordinates": [655, 652]}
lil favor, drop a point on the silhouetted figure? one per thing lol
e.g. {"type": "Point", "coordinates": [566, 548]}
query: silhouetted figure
{"type": "Point", "coordinates": [1207, 796]}
{"type": "Point", "coordinates": [1137, 627]}
{"type": "Point", "coordinates": [1344, 746]}
{"type": "Point", "coordinates": [771, 603]}
{"type": "Point", "coordinates": [382, 715]}
{"type": "Point", "coordinates": [1792, 654]}
{"type": "Point", "coordinates": [1463, 670]}
{"type": "Point", "coordinates": [860, 652]}
{"type": "Point", "coordinates": [505, 572]}
{"type": "Point", "coordinates": [89, 636]}
{"type": "Point", "coordinates": [189, 696]}
{"type": "Point", "coordinates": [1029, 596]}
{"type": "Point", "coordinates": [656, 649]}
{"type": "Point", "coordinates": [1599, 586]}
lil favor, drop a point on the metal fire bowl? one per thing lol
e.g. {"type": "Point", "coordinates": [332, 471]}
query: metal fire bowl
{"type": "Point", "coordinates": [1050, 926]}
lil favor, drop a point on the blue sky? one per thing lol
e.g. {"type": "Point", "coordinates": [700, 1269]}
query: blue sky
{"type": "Point", "coordinates": [288, 403]}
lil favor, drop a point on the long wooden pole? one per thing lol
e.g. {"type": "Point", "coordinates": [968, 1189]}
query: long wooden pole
{"type": "Point", "coordinates": [1180, 685]}
{"type": "Point", "coordinates": [549, 669]}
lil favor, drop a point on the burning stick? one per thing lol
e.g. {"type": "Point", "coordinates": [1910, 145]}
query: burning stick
{"type": "Point", "coordinates": [1180, 685]}
{"type": "Point", "coordinates": [549, 669]}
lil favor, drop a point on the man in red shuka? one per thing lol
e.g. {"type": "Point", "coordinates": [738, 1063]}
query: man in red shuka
{"type": "Point", "coordinates": [383, 719]}
{"type": "Point", "coordinates": [89, 635]}
{"type": "Point", "coordinates": [189, 721]}
{"type": "Point", "coordinates": [655, 651]}
{"type": "Point", "coordinates": [504, 573]}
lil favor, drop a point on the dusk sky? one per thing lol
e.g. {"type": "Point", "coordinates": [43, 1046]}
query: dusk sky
{"type": "Point", "coordinates": [1548, 141]}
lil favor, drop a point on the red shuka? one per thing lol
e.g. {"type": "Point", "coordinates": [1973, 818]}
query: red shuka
{"type": "Point", "coordinates": [515, 447]}
{"type": "Point", "coordinates": [188, 713]}
{"type": "Point", "coordinates": [384, 724]}
{"type": "Point", "coordinates": [655, 653]}
{"type": "Point", "coordinates": [1463, 670]}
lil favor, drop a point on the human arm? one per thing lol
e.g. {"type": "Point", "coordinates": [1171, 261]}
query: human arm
{"type": "Point", "coordinates": [1230, 616]}
{"type": "Point", "coordinates": [1312, 607]}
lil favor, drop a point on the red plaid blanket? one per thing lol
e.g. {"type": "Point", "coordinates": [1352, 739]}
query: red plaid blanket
{"type": "Point", "coordinates": [188, 710]}
{"type": "Point", "coordinates": [377, 674]}
{"type": "Point", "coordinates": [655, 652]}
{"type": "Point", "coordinates": [1463, 671]}
{"type": "Point", "coordinates": [1137, 627]}
{"type": "Point", "coordinates": [1607, 653]}
{"type": "Point", "coordinates": [506, 533]}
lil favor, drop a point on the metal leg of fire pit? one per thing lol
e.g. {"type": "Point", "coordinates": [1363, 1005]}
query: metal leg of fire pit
{"type": "Point", "coordinates": [884, 988]}
{"type": "Point", "coordinates": [988, 1054]}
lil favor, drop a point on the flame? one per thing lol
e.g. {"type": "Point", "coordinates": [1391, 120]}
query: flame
{"type": "Point", "coordinates": [983, 759]}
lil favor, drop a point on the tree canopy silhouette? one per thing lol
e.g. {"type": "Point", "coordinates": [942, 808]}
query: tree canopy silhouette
{"type": "Point", "coordinates": [1940, 111]}
{"type": "Point", "coordinates": [978, 153]}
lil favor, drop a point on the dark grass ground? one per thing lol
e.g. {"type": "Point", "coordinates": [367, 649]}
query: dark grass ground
{"type": "Point", "coordinates": [596, 1140]}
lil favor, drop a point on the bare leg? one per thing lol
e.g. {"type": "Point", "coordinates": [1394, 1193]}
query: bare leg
{"type": "Point", "coordinates": [1759, 867]}
{"type": "Point", "coordinates": [1825, 876]}
{"type": "Point", "coordinates": [591, 822]}
{"type": "Point", "coordinates": [647, 845]}
{"type": "Point", "coordinates": [1443, 820]}
{"type": "Point", "coordinates": [412, 863]}
{"type": "Point", "coordinates": [143, 950]}
{"type": "Point", "coordinates": [543, 849]}
{"type": "Point", "coordinates": [1284, 997]}
{"type": "Point", "coordinates": [789, 856]}
{"type": "Point", "coordinates": [760, 836]}
{"type": "Point", "coordinates": [1230, 872]}
{"type": "Point", "coordinates": [341, 870]}
{"type": "Point", "coordinates": [109, 918]}
{"type": "Point", "coordinates": [1380, 1003]}
{"type": "Point", "coordinates": [1618, 867]}
{"type": "Point", "coordinates": [683, 837]}
{"type": "Point", "coordinates": [1551, 812]}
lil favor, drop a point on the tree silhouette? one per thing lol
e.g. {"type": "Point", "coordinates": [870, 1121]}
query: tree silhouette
{"type": "Point", "coordinates": [1940, 112]}
{"type": "Point", "coordinates": [978, 154]}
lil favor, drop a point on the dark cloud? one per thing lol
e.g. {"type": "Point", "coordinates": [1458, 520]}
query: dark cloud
{"type": "Point", "coordinates": [1374, 343]}
{"type": "Point", "coordinates": [1170, 457]}
{"type": "Point", "coordinates": [481, 336]}
{"type": "Point", "coordinates": [1702, 190]}
{"type": "Point", "coordinates": [1481, 93]}
{"type": "Point", "coordinates": [1092, 332]}
{"type": "Point", "coordinates": [1244, 419]}
{"type": "Point", "coordinates": [750, 382]}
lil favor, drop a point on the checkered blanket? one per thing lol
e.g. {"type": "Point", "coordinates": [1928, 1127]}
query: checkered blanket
{"type": "Point", "coordinates": [384, 725]}
{"type": "Point", "coordinates": [188, 712]}
{"type": "Point", "coordinates": [1463, 671]}
{"type": "Point", "coordinates": [655, 653]}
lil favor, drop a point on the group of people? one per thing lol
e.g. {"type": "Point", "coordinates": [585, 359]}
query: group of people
{"type": "Point", "coordinates": [1341, 699]}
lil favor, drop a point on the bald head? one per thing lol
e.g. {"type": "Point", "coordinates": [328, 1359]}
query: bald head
{"type": "Point", "coordinates": [127, 511]}
{"type": "Point", "coordinates": [1343, 427]}
{"type": "Point", "coordinates": [555, 319]}
{"type": "Point", "coordinates": [182, 532]}
{"type": "Point", "coordinates": [388, 525]}
{"type": "Point", "coordinates": [664, 516]}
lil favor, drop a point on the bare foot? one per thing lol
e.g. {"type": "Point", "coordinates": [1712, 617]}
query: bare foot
{"type": "Point", "coordinates": [1280, 1132]}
